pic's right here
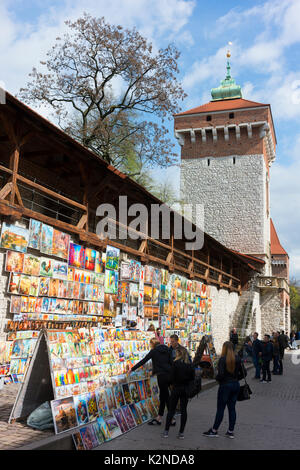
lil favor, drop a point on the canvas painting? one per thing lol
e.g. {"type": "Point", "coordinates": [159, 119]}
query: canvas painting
{"type": "Point", "coordinates": [133, 294]}
{"type": "Point", "coordinates": [110, 398]}
{"type": "Point", "coordinates": [141, 411]}
{"type": "Point", "coordinates": [92, 406]}
{"type": "Point", "coordinates": [46, 267]}
{"type": "Point", "coordinates": [136, 414]}
{"type": "Point", "coordinates": [141, 389]}
{"type": "Point", "coordinates": [100, 262]}
{"type": "Point", "coordinates": [134, 393]}
{"type": "Point", "coordinates": [103, 428]}
{"type": "Point", "coordinates": [151, 408]}
{"type": "Point", "coordinates": [81, 409]}
{"type": "Point", "coordinates": [14, 261]}
{"type": "Point", "coordinates": [123, 292]}
{"type": "Point", "coordinates": [149, 274]}
{"type": "Point", "coordinates": [110, 305]}
{"type": "Point", "coordinates": [31, 265]}
{"type": "Point", "coordinates": [135, 267]}
{"type": "Point", "coordinates": [60, 245]}
{"type": "Point", "coordinates": [14, 238]}
{"type": "Point", "coordinates": [89, 438]}
{"type": "Point", "coordinates": [15, 304]}
{"type": "Point", "coordinates": [119, 399]}
{"type": "Point", "coordinates": [60, 270]}
{"type": "Point", "coordinates": [46, 239]}
{"type": "Point", "coordinates": [111, 282]}
{"type": "Point", "coordinates": [125, 271]}
{"type": "Point", "coordinates": [112, 258]}
{"type": "Point", "coordinates": [90, 259]}
{"type": "Point", "coordinates": [148, 295]}
{"type": "Point", "coordinates": [14, 283]}
{"type": "Point", "coordinates": [64, 414]}
{"type": "Point", "coordinates": [78, 441]}
{"type": "Point", "coordinates": [76, 256]}
{"type": "Point", "coordinates": [34, 285]}
{"type": "Point", "coordinates": [44, 286]}
{"type": "Point", "coordinates": [146, 411]}
{"type": "Point", "coordinates": [53, 289]}
{"type": "Point", "coordinates": [126, 393]}
{"type": "Point", "coordinates": [113, 427]}
{"type": "Point", "coordinates": [98, 432]}
{"type": "Point", "coordinates": [24, 284]}
{"type": "Point", "coordinates": [121, 420]}
{"type": "Point", "coordinates": [128, 417]}
{"type": "Point", "coordinates": [34, 234]}
{"type": "Point", "coordinates": [102, 403]}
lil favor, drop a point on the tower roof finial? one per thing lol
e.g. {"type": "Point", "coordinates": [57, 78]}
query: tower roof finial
{"type": "Point", "coordinates": [228, 89]}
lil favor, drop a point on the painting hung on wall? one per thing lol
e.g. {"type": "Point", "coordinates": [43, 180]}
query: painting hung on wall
{"type": "Point", "coordinates": [76, 256]}
{"type": "Point", "coordinates": [46, 267]}
{"type": "Point", "coordinates": [110, 305]}
{"type": "Point", "coordinates": [133, 294]}
{"type": "Point", "coordinates": [14, 238]}
{"type": "Point", "coordinates": [135, 267]}
{"type": "Point", "coordinates": [112, 258]}
{"type": "Point", "coordinates": [111, 282]}
{"type": "Point", "coordinates": [64, 414]}
{"type": "Point", "coordinates": [60, 270]}
{"type": "Point", "coordinates": [90, 259]}
{"type": "Point", "coordinates": [60, 245]}
{"type": "Point", "coordinates": [34, 234]}
{"type": "Point", "coordinates": [100, 262]}
{"type": "Point", "coordinates": [46, 239]}
{"type": "Point", "coordinates": [14, 261]}
{"type": "Point", "coordinates": [125, 271]}
{"type": "Point", "coordinates": [31, 265]}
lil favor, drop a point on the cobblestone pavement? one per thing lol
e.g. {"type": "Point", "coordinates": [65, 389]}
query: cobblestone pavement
{"type": "Point", "coordinates": [16, 434]}
{"type": "Point", "coordinates": [269, 421]}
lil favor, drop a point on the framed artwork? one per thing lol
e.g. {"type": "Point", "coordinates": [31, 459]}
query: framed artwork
{"type": "Point", "coordinates": [100, 262]}
{"type": "Point", "coordinates": [60, 244]}
{"type": "Point", "coordinates": [34, 286]}
{"type": "Point", "coordinates": [134, 393]}
{"type": "Point", "coordinates": [90, 259]}
{"type": "Point", "coordinates": [76, 256]}
{"type": "Point", "coordinates": [112, 258]}
{"type": "Point", "coordinates": [88, 437]}
{"type": "Point", "coordinates": [126, 394]}
{"type": "Point", "coordinates": [111, 281]}
{"type": "Point", "coordinates": [133, 294]}
{"type": "Point", "coordinates": [92, 406]}
{"type": "Point", "coordinates": [135, 267]}
{"type": "Point", "coordinates": [110, 398]}
{"type": "Point", "coordinates": [31, 265]}
{"type": "Point", "coordinates": [136, 414]}
{"type": "Point", "coordinates": [118, 394]}
{"type": "Point", "coordinates": [128, 417]}
{"type": "Point", "coordinates": [110, 305]}
{"type": "Point", "coordinates": [34, 234]}
{"type": "Point", "coordinates": [113, 427]}
{"type": "Point", "coordinates": [125, 271]}
{"type": "Point", "coordinates": [15, 304]}
{"type": "Point", "coordinates": [24, 284]}
{"type": "Point", "coordinates": [64, 414]}
{"type": "Point", "coordinates": [14, 283]}
{"type": "Point", "coordinates": [14, 261]}
{"type": "Point", "coordinates": [46, 239]}
{"type": "Point", "coordinates": [60, 270]}
{"type": "Point", "coordinates": [46, 267]}
{"type": "Point", "coordinates": [103, 428]}
{"type": "Point", "coordinates": [98, 432]}
{"type": "Point", "coordinates": [14, 238]}
{"type": "Point", "coordinates": [44, 286]}
{"type": "Point", "coordinates": [123, 292]}
{"type": "Point", "coordinates": [78, 441]}
{"type": "Point", "coordinates": [121, 420]}
{"type": "Point", "coordinates": [148, 295]}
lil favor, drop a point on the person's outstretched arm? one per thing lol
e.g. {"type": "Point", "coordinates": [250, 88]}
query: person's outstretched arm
{"type": "Point", "coordinates": [143, 361]}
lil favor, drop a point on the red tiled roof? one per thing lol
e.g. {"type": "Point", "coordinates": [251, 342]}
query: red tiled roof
{"type": "Point", "coordinates": [223, 105]}
{"type": "Point", "coordinates": [276, 248]}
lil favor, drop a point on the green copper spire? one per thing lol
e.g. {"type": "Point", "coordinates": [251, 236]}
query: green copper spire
{"type": "Point", "coordinates": [228, 89]}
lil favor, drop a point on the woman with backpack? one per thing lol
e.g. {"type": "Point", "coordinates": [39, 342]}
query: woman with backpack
{"type": "Point", "coordinates": [230, 371]}
{"type": "Point", "coordinates": [182, 372]}
{"type": "Point", "coordinates": [161, 367]}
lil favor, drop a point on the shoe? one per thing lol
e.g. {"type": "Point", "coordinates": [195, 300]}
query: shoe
{"type": "Point", "coordinates": [269, 381]}
{"type": "Point", "coordinates": [180, 435]}
{"type": "Point", "coordinates": [263, 381]}
{"type": "Point", "coordinates": [230, 435]}
{"type": "Point", "coordinates": [211, 433]}
{"type": "Point", "coordinates": [165, 434]}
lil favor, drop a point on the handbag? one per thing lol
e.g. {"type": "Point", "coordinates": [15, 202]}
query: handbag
{"type": "Point", "coordinates": [245, 391]}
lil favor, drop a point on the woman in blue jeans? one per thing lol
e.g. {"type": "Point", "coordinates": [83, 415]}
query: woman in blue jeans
{"type": "Point", "coordinates": [230, 371]}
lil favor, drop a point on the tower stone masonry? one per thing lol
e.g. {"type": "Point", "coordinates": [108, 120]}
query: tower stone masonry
{"type": "Point", "coordinates": [227, 148]}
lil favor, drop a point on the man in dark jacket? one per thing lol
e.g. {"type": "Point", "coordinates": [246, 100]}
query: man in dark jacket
{"type": "Point", "coordinates": [174, 340]}
{"type": "Point", "coordinates": [234, 338]}
{"type": "Point", "coordinates": [256, 349]}
{"type": "Point", "coordinates": [267, 355]}
{"type": "Point", "coordinates": [162, 362]}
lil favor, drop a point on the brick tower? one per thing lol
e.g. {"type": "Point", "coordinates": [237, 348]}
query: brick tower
{"type": "Point", "coordinates": [227, 148]}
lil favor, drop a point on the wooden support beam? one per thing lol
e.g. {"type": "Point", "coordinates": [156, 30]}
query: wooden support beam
{"type": "Point", "coordinates": [14, 166]}
{"type": "Point", "coordinates": [82, 222]}
{"type": "Point", "coordinates": [5, 190]}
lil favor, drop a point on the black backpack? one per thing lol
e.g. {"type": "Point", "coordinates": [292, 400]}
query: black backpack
{"type": "Point", "coordinates": [194, 387]}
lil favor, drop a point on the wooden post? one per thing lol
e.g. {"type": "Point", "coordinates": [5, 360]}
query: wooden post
{"type": "Point", "coordinates": [14, 165]}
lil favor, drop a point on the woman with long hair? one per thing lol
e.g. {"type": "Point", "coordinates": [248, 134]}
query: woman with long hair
{"type": "Point", "coordinates": [182, 373]}
{"type": "Point", "coordinates": [230, 371]}
{"type": "Point", "coordinates": [161, 367]}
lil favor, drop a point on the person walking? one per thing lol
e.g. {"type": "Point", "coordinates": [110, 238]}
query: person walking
{"type": "Point", "coordinates": [230, 371]}
{"type": "Point", "coordinates": [293, 340]}
{"type": "Point", "coordinates": [234, 338]}
{"type": "Point", "coordinates": [283, 344]}
{"type": "Point", "coordinates": [276, 354]}
{"type": "Point", "coordinates": [256, 349]}
{"type": "Point", "coordinates": [182, 372]}
{"type": "Point", "coordinates": [161, 367]}
{"type": "Point", "coordinates": [267, 356]}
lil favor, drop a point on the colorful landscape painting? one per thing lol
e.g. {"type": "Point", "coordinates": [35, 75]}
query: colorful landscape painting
{"type": "Point", "coordinates": [14, 238]}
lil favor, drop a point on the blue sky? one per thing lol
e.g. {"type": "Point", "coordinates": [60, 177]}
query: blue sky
{"type": "Point", "coordinates": [265, 62]}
